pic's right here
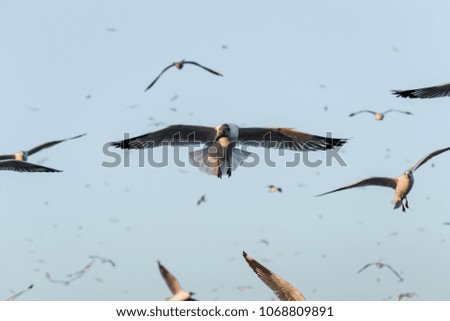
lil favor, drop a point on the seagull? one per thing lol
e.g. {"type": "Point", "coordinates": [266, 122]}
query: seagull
{"type": "Point", "coordinates": [14, 297]}
{"type": "Point", "coordinates": [427, 92]}
{"type": "Point", "coordinates": [102, 259]}
{"type": "Point", "coordinates": [408, 295]}
{"type": "Point", "coordinates": [273, 188]}
{"type": "Point", "coordinates": [201, 200]}
{"type": "Point", "coordinates": [220, 154]}
{"type": "Point", "coordinates": [180, 65]}
{"type": "Point", "coordinates": [380, 265]}
{"type": "Point", "coordinates": [178, 293]}
{"type": "Point", "coordinates": [402, 185]}
{"type": "Point", "coordinates": [282, 289]}
{"type": "Point", "coordinates": [379, 116]}
{"type": "Point", "coordinates": [18, 161]}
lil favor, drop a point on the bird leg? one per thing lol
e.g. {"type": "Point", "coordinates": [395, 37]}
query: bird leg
{"type": "Point", "coordinates": [403, 208]}
{"type": "Point", "coordinates": [219, 172]}
{"type": "Point", "coordinates": [229, 167]}
{"type": "Point", "coordinates": [406, 202]}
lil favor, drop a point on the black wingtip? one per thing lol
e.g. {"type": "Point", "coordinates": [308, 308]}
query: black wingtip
{"type": "Point", "coordinates": [124, 144]}
{"type": "Point", "coordinates": [404, 93]}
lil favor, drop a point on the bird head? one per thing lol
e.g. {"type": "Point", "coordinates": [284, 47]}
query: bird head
{"type": "Point", "coordinates": [22, 155]}
{"type": "Point", "coordinates": [408, 173]}
{"type": "Point", "coordinates": [223, 131]}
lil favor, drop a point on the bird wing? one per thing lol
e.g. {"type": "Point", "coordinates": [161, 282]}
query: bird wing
{"type": "Point", "coordinates": [14, 297]}
{"type": "Point", "coordinates": [376, 181]}
{"type": "Point", "coordinates": [428, 157]}
{"type": "Point", "coordinates": [362, 111]}
{"type": "Point", "coordinates": [156, 79]}
{"type": "Point", "coordinates": [171, 280]}
{"type": "Point", "coordinates": [427, 92]}
{"type": "Point", "coordinates": [50, 144]}
{"type": "Point", "coordinates": [4, 157]}
{"type": "Point", "coordinates": [399, 111]}
{"type": "Point", "coordinates": [395, 272]}
{"type": "Point", "coordinates": [22, 166]}
{"type": "Point", "coordinates": [206, 68]}
{"type": "Point", "coordinates": [174, 135]}
{"type": "Point", "coordinates": [286, 138]}
{"type": "Point", "coordinates": [282, 289]}
{"type": "Point", "coordinates": [365, 267]}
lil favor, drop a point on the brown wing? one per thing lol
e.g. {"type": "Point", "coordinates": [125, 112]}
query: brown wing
{"type": "Point", "coordinates": [427, 92]}
{"type": "Point", "coordinates": [286, 138]}
{"type": "Point", "coordinates": [156, 79]}
{"type": "Point", "coordinates": [173, 135]}
{"type": "Point", "coordinates": [206, 68]}
{"type": "Point", "coordinates": [282, 289]}
{"type": "Point", "coordinates": [361, 111]}
{"type": "Point", "coordinates": [22, 166]}
{"type": "Point", "coordinates": [377, 181]}
{"type": "Point", "coordinates": [171, 280]}
{"type": "Point", "coordinates": [50, 144]}
{"type": "Point", "coordinates": [428, 157]}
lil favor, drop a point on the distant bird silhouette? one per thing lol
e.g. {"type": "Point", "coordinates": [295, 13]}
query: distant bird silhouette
{"type": "Point", "coordinates": [426, 92]}
{"type": "Point", "coordinates": [178, 293]}
{"type": "Point", "coordinates": [14, 297]}
{"type": "Point", "coordinates": [379, 116]}
{"type": "Point", "coordinates": [273, 188]}
{"type": "Point", "coordinates": [380, 265]}
{"type": "Point", "coordinates": [264, 241]}
{"type": "Point", "coordinates": [102, 259]}
{"type": "Point", "coordinates": [202, 199]}
{"type": "Point", "coordinates": [282, 289]}
{"type": "Point", "coordinates": [408, 295]}
{"type": "Point", "coordinates": [180, 65]}
{"type": "Point", "coordinates": [73, 276]}
{"type": "Point", "coordinates": [402, 185]}
{"type": "Point", "coordinates": [18, 161]}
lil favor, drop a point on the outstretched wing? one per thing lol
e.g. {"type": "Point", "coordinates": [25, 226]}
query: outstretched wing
{"type": "Point", "coordinates": [206, 68]}
{"type": "Point", "coordinates": [14, 297]}
{"type": "Point", "coordinates": [156, 79]}
{"type": "Point", "coordinates": [393, 271]}
{"type": "Point", "coordinates": [174, 135]}
{"type": "Point", "coordinates": [376, 181]}
{"type": "Point", "coordinates": [171, 280]}
{"type": "Point", "coordinates": [50, 144]}
{"type": "Point", "coordinates": [282, 289]}
{"type": "Point", "coordinates": [286, 138]}
{"type": "Point", "coordinates": [365, 267]}
{"type": "Point", "coordinates": [428, 157]}
{"type": "Point", "coordinates": [427, 92]}
{"type": "Point", "coordinates": [362, 111]}
{"type": "Point", "coordinates": [22, 166]}
{"type": "Point", "coordinates": [399, 111]}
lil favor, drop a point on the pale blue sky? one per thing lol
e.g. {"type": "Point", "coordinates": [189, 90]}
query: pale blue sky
{"type": "Point", "coordinates": [54, 53]}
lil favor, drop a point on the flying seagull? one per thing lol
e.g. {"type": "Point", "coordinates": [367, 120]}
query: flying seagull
{"type": "Point", "coordinates": [180, 65]}
{"type": "Point", "coordinates": [273, 188]}
{"type": "Point", "coordinates": [18, 161]}
{"type": "Point", "coordinates": [427, 92]}
{"type": "Point", "coordinates": [220, 155]}
{"type": "Point", "coordinates": [408, 295]}
{"type": "Point", "coordinates": [379, 116]}
{"type": "Point", "coordinates": [282, 289]}
{"type": "Point", "coordinates": [102, 259]}
{"type": "Point", "coordinates": [402, 185]}
{"type": "Point", "coordinates": [14, 297]}
{"type": "Point", "coordinates": [202, 199]}
{"type": "Point", "coordinates": [178, 293]}
{"type": "Point", "coordinates": [380, 265]}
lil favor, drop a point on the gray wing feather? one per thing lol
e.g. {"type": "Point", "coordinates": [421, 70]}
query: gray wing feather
{"type": "Point", "coordinates": [282, 289]}
{"type": "Point", "coordinates": [427, 92]}
{"type": "Point", "coordinates": [160, 74]}
{"type": "Point", "coordinates": [50, 144]}
{"type": "Point", "coordinates": [170, 279]}
{"type": "Point", "coordinates": [428, 157]}
{"type": "Point", "coordinates": [174, 135]}
{"type": "Point", "coordinates": [375, 181]}
{"type": "Point", "coordinates": [206, 68]}
{"type": "Point", "coordinates": [286, 138]}
{"type": "Point", "coordinates": [399, 111]}
{"type": "Point", "coordinates": [22, 166]}
{"type": "Point", "coordinates": [362, 111]}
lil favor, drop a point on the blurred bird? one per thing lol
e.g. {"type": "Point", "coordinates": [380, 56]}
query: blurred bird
{"type": "Point", "coordinates": [282, 289]}
{"type": "Point", "coordinates": [18, 161]}
{"type": "Point", "coordinates": [180, 65]}
{"type": "Point", "coordinates": [379, 116]}
{"type": "Point", "coordinates": [102, 259]}
{"type": "Point", "coordinates": [427, 92]}
{"type": "Point", "coordinates": [220, 155]}
{"type": "Point", "coordinates": [380, 265]}
{"type": "Point", "coordinates": [14, 297]}
{"type": "Point", "coordinates": [273, 188]}
{"type": "Point", "coordinates": [202, 199]}
{"type": "Point", "coordinates": [178, 293]}
{"type": "Point", "coordinates": [402, 185]}
{"type": "Point", "coordinates": [408, 295]}
{"type": "Point", "coordinates": [264, 241]}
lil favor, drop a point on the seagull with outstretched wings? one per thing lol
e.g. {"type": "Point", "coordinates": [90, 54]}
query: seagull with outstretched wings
{"type": "Point", "coordinates": [380, 265]}
{"type": "Point", "coordinates": [178, 293]}
{"type": "Point", "coordinates": [379, 116]}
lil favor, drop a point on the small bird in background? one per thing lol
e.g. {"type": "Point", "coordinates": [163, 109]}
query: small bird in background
{"type": "Point", "coordinates": [71, 277]}
{"type": "Point", "coordinates": [264, 241]}
{"type": "Point", "coordinates": [402, 185]}
{"type": "Point", "coordinates": [282, 289]}
{"type": "Point", "coordinates": [273, 188]}
{"type": "Point", "coordinates": [18, 161]}
{"type": "Point", "coordinates": [426, 92]}
{"type": "Point", "coordinates": [408, 295]}
{"type": "Point", "coordinates": [380, 265]}
{"type": "Point", "coordinates": [202, 199]}
{"type": "Point", "coordinates": [379, 116]}
{"type": "Point", "coordinates": [180, 65]}
{"type": "Point", "coordinates": [178, 293]}
{"type": "Point", "coordinates": [102, 259]}
{"type": "Point", "coordinates": [14, 297]}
